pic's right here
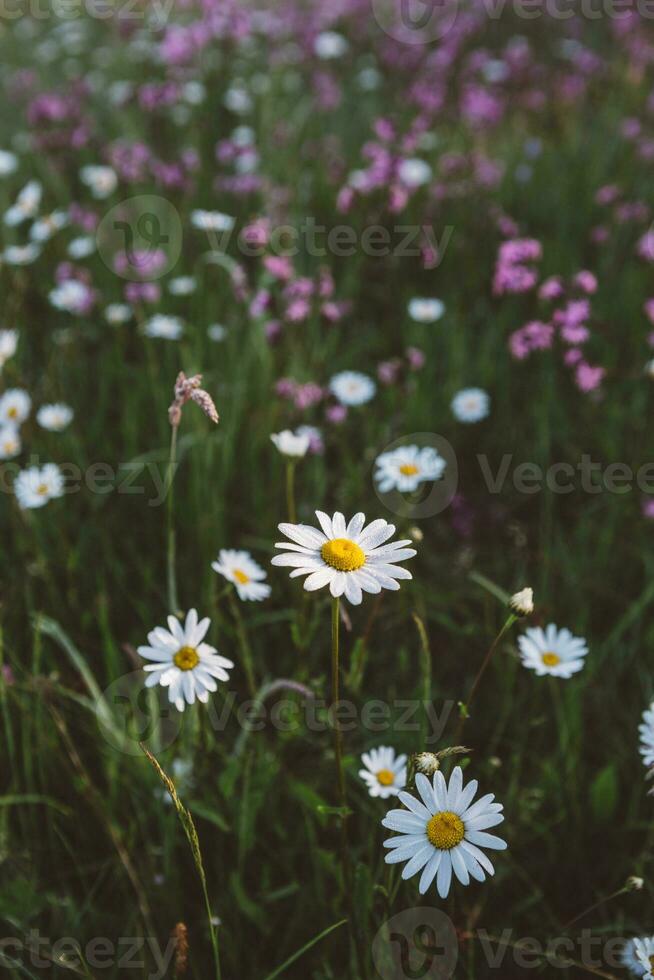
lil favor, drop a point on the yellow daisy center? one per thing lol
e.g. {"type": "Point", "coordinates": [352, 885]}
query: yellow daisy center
{"type": "Point", "coordinates": [551, 659]}
{"type": "Point", "coordinates": [386, 777]}
{"type": "Point", "coordinates": [343, 554]}
{"type": "Point", "coordinates": [241, 577]}
{"type": "Point", "coordinates": [12, 412]}
{"type": "Point", "coordinates": [186, 658]}
{"type": "Point", "coordinates": [42, 489]}
{"type": "Point", "coordinates": [445, 830]}
{"type": "Point", "coordinates": [408, 469]}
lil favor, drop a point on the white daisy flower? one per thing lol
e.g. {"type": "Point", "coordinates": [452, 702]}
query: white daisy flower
{"type": "Point", "coordinates": [55, 417]}
{"type": "Point", "coordinates": [216, 332]}
{"type": "Point", "coordinates": [444, 832]}
{"type": "Point", "coordinates": [646, 731]}
{"type": "Point", "coordinates": [81, 247]}
{"type": "Point", "coordinates": [8, 163]}
{"type": "Point", "coordinates": [70, 296]}
{"type": "Point", "coordinates": [164, 327]}
{"type": "Point", "coordinates": [184, 664]}
{"type": "Point", "coordinates": [352, 388]}
{"type": "Point", "coordinates": [117, 313]}
{"type": "Point", "coordinates": [384, 773]}
{"type": "Point", "coordinates": [644, 956]}
{"type": "Point", "coordinates": [471, 405]}
{"type": "Point", "coordinates": [182, 286]}
{"type": "Point", "coordinates": [426, 310]}
{"type": "Point", "coordinates": [101, 181]}
{"type": "Point", "coordinates": [212, 220]}
{"type": "Point", "coordinates": [414, 172]}
{"type": "Point", "coordinates": [552, 651]}
{"type": "Point", "coordinates": [21, 254]}
{"type": "Point", "coordinates": [350, 559]}
{"type": "Point", "coordinates": [406, 467]}
{"type": "Point", "coordinates": [44, 228]}
{"type": "Point", "coordinates": [15, 406]}
{"type": "Point", "coordinates": [8, 345]}
{"type": "Point", "coordinates": [243, 136]}
{"type": "Point", "coordinates": [329, 45]}
{"type": "Point", "coordinates": [240, 568]}
{"type": "Point", "coordinates": [291, 444]}
{"type": "Point", "coordinates": [26, 206]}
{"type": "Point", "coordinates": [630, 959]}
{"type": "Point", "coordinates": [38, 485]}
{"type": "Point", "coordinates": [10, 445]}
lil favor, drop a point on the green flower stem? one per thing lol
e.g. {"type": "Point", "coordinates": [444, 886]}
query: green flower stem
{"type": "Point", "coordinates": [480, 673]}
{"type": "Point", "coordinates": [290, 491]}
{"type": "Point", "coordinates": [173, 604]}
{"type": "Point", "coordinates": [338, 746]}
{"type": "Point", "coordinates": [244, 644]}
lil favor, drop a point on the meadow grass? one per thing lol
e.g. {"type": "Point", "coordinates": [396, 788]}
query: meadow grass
{"type": "Point", "coordinates": [89, 845]}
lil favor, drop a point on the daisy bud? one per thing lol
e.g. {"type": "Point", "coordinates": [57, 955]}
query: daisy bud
{"type": "Point", "coordinates": [522, 603]}
{"type": "Point", "coordinates": [426, 762]}
{"type": "Point", "coordinates": [416, 534]}
{"type": "Point", "coordinates": [634, 884]}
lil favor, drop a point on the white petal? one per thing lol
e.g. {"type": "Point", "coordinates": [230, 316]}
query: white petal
{"type": "Point", "coordinates": [444, 877]}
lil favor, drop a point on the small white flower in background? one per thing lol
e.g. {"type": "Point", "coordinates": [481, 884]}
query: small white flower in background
{"type": "Point", "coordinates": [350, 559]}
{"type": "Point", "coordinates": [21, 254]}
{"type": "Point", "coordinates": [552, 651]}
{"type": "Point", "coordinates": [522, 603]}
{"type": "Point", "coordinates": [314, 435]}
{"type": "Point", "coordinates": [55, 417]}
{"type": "Point", "coordinates": [81, 247]}
{"type": "Point", "coordinates": [243, 136]}
{"type": "Point", "coordinates": [182, 286]}
{"type": "Point", "coordinates": [194, 93]}
{"type": "Point", "coordinates": [638, 957]}
{"type": "Point", "coordinates": [352, 388]}
{"type": "Point", "coordinates": [182, 662]}
{"type": "Point", "coordinates": [646, 732]}
{"type": "Point", "coordinates": [216, 332]}
{"type": "Point", "coordinates": [406, 467]}
{"type": "Point", "coordinates": [101, 181]}
{"type": "Point", "coordinates": [15, 406]}
{"type": "Point", "coordinates": [369, 79]}
{"type": "Point", "coordinates": [70, 296]}
{"type": "Point", "coordinates": [384, 773]}
{"type": "Point", "coordinates": [10, 445]}
{"type": "Point", "coordinates": [240, 568]}
{"type": "Point", "coordinates": [237, 99]}
{"type": "Point", "coordinates": [649, 369]}
{"type": "Point", "coordinates": [471, 405]}
{"type": "Point", "coordinates": [8, 345]}
{"type": "Point", "coordinates": [26, 206]}
{"type": "Point", "coordinates": [330, 45]}
{"type": "Point", "coordinates": [8, 163]}
{"type": "Point", "coordinates": [212, 220]}
{"type": "Point", "coordinates": [164, 327]}
{"type": "Point", "coordinates": [414, 172]}
{"type": "Point", "coordinates": [426, 310]}
{"type": "Point", "coordinates": [117, 313]}
{"type": "Point", "coordinates": [634, 884]}
{"type": "Point", "coordinates": [44, 228]}
{"type": "Point", "coordinates": [444, 832]}
{"type": "Point", "coordinates": [37, 486]}
{"type": "Point", "coordinates": [291, 444]}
